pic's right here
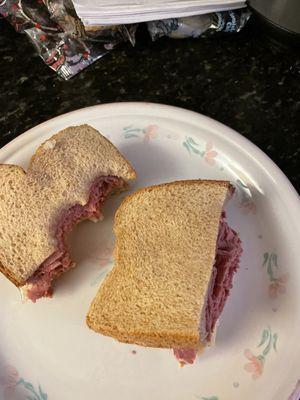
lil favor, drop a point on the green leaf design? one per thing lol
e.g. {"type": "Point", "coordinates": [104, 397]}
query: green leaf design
{"type": "Point", "coordinates": [239, 182]}
{"type": "Point", "coordinates": [268, 347]}
{"type": "Point", "coordinates": [130, 135]}
{"type": "Point", "coordinates": [275, 337]}
{"type": "Point", "coordinates": [43, 395]}
{"type": "Point", "coordinates": [100, 275]}
{"type": "Point", "coordinates": [265, 256]}
{"type": "Point", "coordinates": [274, 258]}
{"type": "Point", "coordinates": [31, 398]}
{"type": "Point", "coordinates": [191, 141]}
{"type": "Point", "coordinates": [33, 395]}
{"type": "Point", "coordinates": [28, 386]}
{"type": "Point", "coordinates": [264, 337]}
{"type": "Point", "coordinates": [270, 270]}
{"type": "Point", "coordinates": [209, 398]}
{"type": "Point", "coordinates": [130, 130]}
{"type": "Point", "coordinates": [261, 358]}
{"type": "Point", "coordinates": [270, 273]}
{"type": "Point", "coordinates": [186, 146]}
{"type": "Point", "coordinates": [196, 151]}
{"type": "Point", "coordinates": [189, 144]}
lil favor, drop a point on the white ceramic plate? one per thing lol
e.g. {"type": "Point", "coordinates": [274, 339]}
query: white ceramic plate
{"type": "Point", "coordinates": [47, 351]}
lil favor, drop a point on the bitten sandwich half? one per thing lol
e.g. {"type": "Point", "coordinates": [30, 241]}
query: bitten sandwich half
{"type": "Point", "coordinates": [68, 180]}
{"type": "Point", "coordinates": [175, 258]}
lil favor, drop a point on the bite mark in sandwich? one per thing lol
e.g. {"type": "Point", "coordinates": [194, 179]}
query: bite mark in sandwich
{"type": "Point", "coordinates": [40, 283]}
{"type": "Point", "coordinates": [68, 180]}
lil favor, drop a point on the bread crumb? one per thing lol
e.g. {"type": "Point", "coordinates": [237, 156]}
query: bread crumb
{"type": "Point", "coordinates": [49, 145]}
{"type": "Point", "coordinates": [23, 292]}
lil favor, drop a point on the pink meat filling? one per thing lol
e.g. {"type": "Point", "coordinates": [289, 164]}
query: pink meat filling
{"type": "Point", "coordinates": [60, 261]}
{"type": "Point", "coordinates": [185, 356]}
{"type": "Point", "coordinates": [228, 252]}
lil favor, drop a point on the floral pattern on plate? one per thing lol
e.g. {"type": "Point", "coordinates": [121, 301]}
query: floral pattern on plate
{"type": "Point", "coordinates": [10, 381]}
{"type": "Point", "coordinates": [105, 263]}
{"type": "Point", "coordinates": [147, 134]}
{"type": "Point", "coordinates": [208, 153]}
{"type": "Point", "coordinates": [256, 363]}
{"type": "Point", "coordinates": [278, 283]}
{"type": "Point", "coordinates": [247, 204]}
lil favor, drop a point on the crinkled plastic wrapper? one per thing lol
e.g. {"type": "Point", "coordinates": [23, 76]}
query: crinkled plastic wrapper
{"type": "Point", "coordinates": [67, 47]}
{"type": "Point", "coordinates": [59, 36]}
{"type": "Point", "coordinates": [195, 26]}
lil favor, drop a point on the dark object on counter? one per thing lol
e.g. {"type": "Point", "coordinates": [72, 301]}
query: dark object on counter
{"type": "Point", "coordinates": [58, 35]}
{"type": "Point", "coordinates": [66, 47]}
{"type": "Point", "coordinates": [280, 18]}
{"type": "Point", "coordinates": [195, 26]}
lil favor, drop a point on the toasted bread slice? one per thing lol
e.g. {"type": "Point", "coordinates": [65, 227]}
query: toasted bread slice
{"type": "Point", "coordinates": [59, 176]}
{"type": "Point", "coordinates": [165, 249]}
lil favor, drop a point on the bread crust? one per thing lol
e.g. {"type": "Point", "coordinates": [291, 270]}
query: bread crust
{"type": "Point", "coordinates": [166, 339]}
{"type": "Point", "coordinates": [166, 184]}
{"type": "Point", "coordinates": [6, 272]}
{"type": "Point", "coordinates": [40, 150]}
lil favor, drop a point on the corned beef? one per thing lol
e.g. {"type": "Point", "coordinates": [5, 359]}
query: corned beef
{"type": "Point", "coordinates": [40, 283]}
{"type": "Point", "coordinates": [228, 252]}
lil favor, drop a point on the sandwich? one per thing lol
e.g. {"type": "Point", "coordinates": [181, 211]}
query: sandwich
{"type": "Point", "coordinates": [174, 261]}
{"type": "Point", "coordinates": [68, 180]}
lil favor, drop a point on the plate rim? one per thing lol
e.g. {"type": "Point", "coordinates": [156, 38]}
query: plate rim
{"type": "Point", "coordinates": [233, 137]}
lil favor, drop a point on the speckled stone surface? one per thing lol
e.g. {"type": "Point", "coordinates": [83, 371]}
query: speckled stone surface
{"type": "Point", "coordinates": [237, 79]}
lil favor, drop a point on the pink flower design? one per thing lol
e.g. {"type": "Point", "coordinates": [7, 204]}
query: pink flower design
{"type": "Point", "coordinates": [210, 154]}
{"type": "Point", "coordinates": [255, 366]}
{"type": "Point", "coordinates": [104, 261]}
{"type": "Point", "coordinates": [277, 286]}
{"type": "Point", "coordinates": [9, 380]}
{"type": "Point", "coordinates": [105, 256]}
{"type": "Point", "coordinates": [150, 133]}
{"type": "Point", "coordinates": [248, 207]}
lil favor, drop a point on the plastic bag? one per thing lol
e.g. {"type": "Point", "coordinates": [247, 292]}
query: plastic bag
{"type": "Point", "coordinates": [59, 36]}
{"type": "Point", "coordinates": [67, 47]}
{"type": "Point", "coordinates": [179, 28]}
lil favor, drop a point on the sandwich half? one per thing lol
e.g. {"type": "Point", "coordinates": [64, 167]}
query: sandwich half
{"type": "Point", "coordinates": [175, 257]}
{"type": "Point", "coordinates": [68, 179]}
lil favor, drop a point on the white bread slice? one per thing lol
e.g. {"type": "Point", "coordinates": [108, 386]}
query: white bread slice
{"type": "Point", "coordinates": [165, 249]}
{"type": "Point", "coordinates": [59, 175]}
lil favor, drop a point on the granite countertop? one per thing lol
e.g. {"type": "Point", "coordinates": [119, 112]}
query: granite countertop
{"type": "Point", "coordinates": [238, 79]}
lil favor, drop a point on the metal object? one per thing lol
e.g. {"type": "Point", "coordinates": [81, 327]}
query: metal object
{"type": "Point", "coordinates": [282, 14]}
